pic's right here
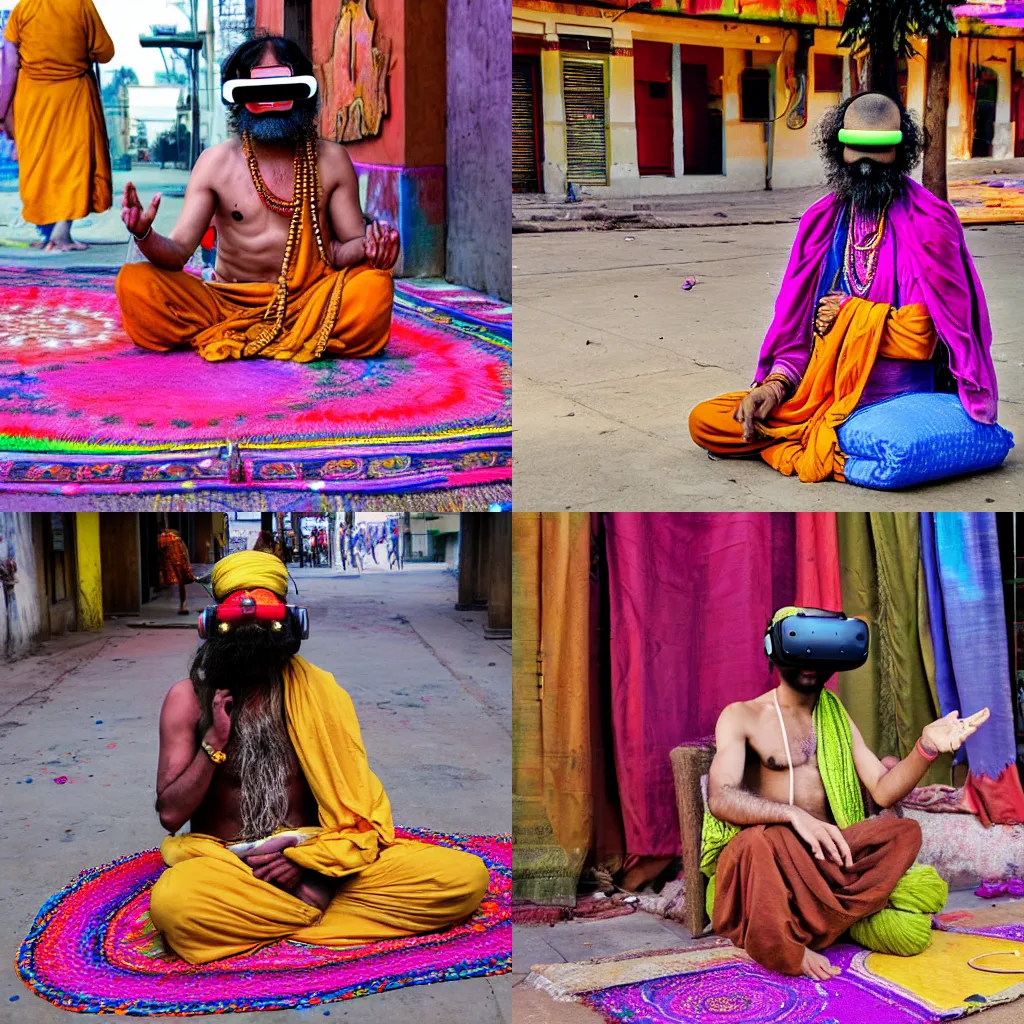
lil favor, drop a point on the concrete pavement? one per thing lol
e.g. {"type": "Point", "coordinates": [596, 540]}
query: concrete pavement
{"type": "Point", "coordinates": [541, 213]}
{"type": "Point", "coordinates": [434, 702]}
{"type": "Point", "coordinates": [612, 353]}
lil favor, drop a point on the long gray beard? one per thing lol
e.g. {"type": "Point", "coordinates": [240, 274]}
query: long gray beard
{"type": "Point", "coordinates": [260, 754]}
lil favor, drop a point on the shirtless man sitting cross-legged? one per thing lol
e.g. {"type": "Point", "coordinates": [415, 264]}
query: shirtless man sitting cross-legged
{"type": "Point", "coordinates": [260, 743]}
{"type": "Point", "coordinates": [791, 882]}
{"type": "Point", "coordinates": [299, 275]}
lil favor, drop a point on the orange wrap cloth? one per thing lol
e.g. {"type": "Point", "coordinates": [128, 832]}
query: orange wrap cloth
{"type": "Point", "coordinates": [329, 312]}
{"type": "Point", "coordinates": [175, 563]}
{"type": "Point", "coordinates": [799, 435]}
{"type": "Point", "coordinates": [208, 904]}
{"type": "Point", "coordinates": [63, 160]}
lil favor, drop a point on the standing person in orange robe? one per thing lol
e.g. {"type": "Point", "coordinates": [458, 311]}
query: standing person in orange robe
{"type": "Point", "coordinates": [175, 565]}
{"type": "Point", "coordinates": [50, 105]}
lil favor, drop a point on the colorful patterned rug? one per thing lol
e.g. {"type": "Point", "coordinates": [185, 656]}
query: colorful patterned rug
{"type": "Point", "coordinates": [93, 949]}
{"type": "Point", "coordinates": [83, 410]}
{"type": "Point", "coordinates": [720, 985]}
{"type": "Point", "coordinates": [988, 200]}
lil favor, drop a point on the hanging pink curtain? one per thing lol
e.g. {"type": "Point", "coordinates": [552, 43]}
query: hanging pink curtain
{"type": "Point", "coordinates": [690, 595]}
{"type": "Point", "coordinates": [817, 566]}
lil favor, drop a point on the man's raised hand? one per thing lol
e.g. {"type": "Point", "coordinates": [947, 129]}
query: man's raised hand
{"type": "Point", "coordinates": [948, 733]}
{"type": "Point", "coordinates": [382, 245]}
{"type": "Point", "coordinates": [220, 729]}
{"type": "Point", "coordinates": [136, 219]}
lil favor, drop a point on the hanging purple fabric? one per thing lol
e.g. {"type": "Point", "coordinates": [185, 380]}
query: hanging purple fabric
{"type": "Point", "coordinates": [945, 683]}
{"type": "Point", "coordinates": [690, 596]}
{"type": "Point", "coordinates": [967, 553]}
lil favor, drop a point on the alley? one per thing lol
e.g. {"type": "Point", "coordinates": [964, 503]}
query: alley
{"type": "Point", "coordinates": [434, 703]}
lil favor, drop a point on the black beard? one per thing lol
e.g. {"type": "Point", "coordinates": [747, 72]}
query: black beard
{"type": "Point", "coordinates": [277, 128]}
{"type": "Point", "coordinates": [792, 677]}
{"type": "Point", "coordinates": [248, 661]}
{"type": "Point", "coordinates": [866, 183]}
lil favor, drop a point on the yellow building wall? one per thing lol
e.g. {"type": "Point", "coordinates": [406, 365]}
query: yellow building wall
{"type": "Point", "coordinates": [998, 55]}
{"type": "Point", "coordinates": [90, 579]}
{"type": "Point", "coordinates": [795, 161]}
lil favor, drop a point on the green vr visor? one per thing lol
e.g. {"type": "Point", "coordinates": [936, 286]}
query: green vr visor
{"type": "Point", "coordinates": [865, 138]}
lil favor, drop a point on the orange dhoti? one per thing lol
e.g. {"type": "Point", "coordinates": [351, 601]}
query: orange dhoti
{"type": "Point", "coordinates": [799, 436]}
{"type": "Point", "coordinates": [166, 309]}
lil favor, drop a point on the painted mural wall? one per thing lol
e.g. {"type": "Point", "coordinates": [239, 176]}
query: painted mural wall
{"type": "Point", "coordinates": [19, 622]}
{"type": "Point", "coordinates": [479, 179]}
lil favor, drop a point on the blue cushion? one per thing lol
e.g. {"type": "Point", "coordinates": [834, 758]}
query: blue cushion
{"type": "Point", "coordinates": [911, 439]}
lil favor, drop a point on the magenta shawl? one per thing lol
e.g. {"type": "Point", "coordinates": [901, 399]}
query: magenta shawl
{"type": "Point", "coordinates": [931, 264]}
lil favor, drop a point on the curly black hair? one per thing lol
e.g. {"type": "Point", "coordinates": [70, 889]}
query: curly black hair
{"type": "Point", "coordinates": [826, 136]}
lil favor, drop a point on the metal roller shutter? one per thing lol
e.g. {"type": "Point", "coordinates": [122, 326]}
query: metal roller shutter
{"type": "Point", "coordinates": [586, 140]}
{"type": "Point", "coordinates": [524, 130]}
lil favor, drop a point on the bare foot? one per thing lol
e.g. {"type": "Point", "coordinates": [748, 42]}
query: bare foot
{"type": "Point", "coordinates": [64, 246]}
{"type": "Point", "coordinates": [316, 890]}
{"type": "Point", "coordinates": [817, 966]}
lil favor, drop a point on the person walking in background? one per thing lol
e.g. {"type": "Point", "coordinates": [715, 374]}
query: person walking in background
{"type": "Point", "coordinates": [175, 565]}
{"type": "Point", "coordinates": [50, 105]}
{"type": "Point", "coordinates": [394, 544]}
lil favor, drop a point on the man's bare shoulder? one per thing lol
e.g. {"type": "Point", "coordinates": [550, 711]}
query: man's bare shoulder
{"type": "Point", "coordinates": [744, 714]}
{"type": "Point", "coordinates": [181, 705]}
{"type": "Point", "coordinates": [213, 158]}
{"type": "Point", "coordinates": [333, 157]}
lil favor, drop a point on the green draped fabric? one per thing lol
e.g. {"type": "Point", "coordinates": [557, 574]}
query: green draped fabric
{"type": "Point", "coordinates": [892, 696]}
{"type": "Point", "coordinates": [904, 927]}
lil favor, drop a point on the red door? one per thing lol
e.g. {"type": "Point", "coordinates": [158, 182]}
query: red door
{"type": "Point", "coordinates": [1018, 115]}
{"type": "Point", "coordinates": [652, 91]}
{"type": "Point", "coordinates": [695, 118]}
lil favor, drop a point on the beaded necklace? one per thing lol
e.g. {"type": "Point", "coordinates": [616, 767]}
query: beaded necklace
{"type": "Point", "coordinates": [860, 260]}
{"type": "Point", "coordinates": [305, 192]}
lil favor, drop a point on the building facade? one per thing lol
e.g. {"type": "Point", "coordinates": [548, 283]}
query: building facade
{"type": "Point", "coordinates": [63, 572]}
{"type": "Point", "coordinates": [677, 96]}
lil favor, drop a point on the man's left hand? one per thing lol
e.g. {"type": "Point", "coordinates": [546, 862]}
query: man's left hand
{"type": "Point", "coordinates": [948, 734]}
{"type": "Point", "coordinates": [274, 867]}
{"type": "Point", "coordinates": [828, 310]}
{"type": "Point", "coordinates": [382, 245]}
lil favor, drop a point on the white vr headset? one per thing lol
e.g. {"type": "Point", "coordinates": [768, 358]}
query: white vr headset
{"type": "Point", "coordinates": [269, 90]}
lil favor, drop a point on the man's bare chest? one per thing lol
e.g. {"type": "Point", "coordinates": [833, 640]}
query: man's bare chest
{"type": "Point", "coordinates": [773, 756]}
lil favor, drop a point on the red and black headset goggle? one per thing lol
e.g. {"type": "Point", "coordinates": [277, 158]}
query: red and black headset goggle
{"type": "Point", "coordinates": [259, 607]}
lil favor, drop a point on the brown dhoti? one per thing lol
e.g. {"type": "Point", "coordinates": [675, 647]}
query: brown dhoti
{"type": "Point", "coordinates": [773, 899]}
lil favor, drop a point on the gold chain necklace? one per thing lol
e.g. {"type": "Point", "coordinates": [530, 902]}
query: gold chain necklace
{"type": "Point", "coordinates": [305, 190]}
{"type": "Point", "coordinates": [269, 199]}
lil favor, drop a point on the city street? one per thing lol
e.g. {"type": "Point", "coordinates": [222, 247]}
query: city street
{"type": "Point", "coordinates": [434, 703]}
{"type": "Point", "coordinates": [612, 353]}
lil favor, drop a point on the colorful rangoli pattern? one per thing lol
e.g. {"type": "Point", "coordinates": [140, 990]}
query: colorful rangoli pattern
{"type": "Point", "coordinates": [83, 408]}
{"type": "Point", "coordinates": [93, 949]}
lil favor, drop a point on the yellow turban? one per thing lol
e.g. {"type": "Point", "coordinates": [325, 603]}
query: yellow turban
{"type": "Point", "coordinates": [247, 570]}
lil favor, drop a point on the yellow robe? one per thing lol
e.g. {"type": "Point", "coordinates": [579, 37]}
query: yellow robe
{"type": "Point", "coordinates": [208, 904]}
{"type": "Point", "coordinates": [799, 435]}
{"type": "Point", "coordinates": [63, 160]}
{"type": "Point", "coordinates": [329, 312]}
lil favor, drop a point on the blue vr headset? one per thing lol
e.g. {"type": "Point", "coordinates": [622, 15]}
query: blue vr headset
{"type": "Point", "coordinates": [812, 637]}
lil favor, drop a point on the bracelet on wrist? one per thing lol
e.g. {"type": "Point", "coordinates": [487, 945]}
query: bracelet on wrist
{"type": "Point", "coordinates": [926, 752]}
{"type": "Point", "coordinates": [782, 380]}
{"type": "Point", "coordinates": [142, 238]}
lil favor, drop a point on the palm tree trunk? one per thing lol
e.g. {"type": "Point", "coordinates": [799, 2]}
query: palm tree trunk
{"type": "Point", "coordinates": [935, 114]}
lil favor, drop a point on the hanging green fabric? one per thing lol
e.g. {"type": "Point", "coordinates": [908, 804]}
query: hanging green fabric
{"type": "Point", "coordinates": [892, 696]}
{"type": "Point", "coordinates": [904, 927]}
